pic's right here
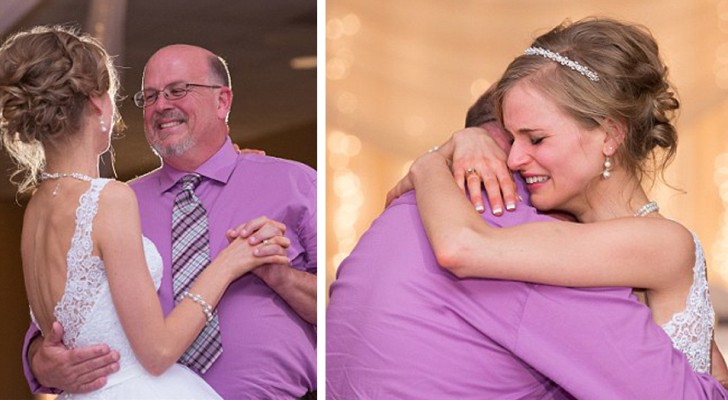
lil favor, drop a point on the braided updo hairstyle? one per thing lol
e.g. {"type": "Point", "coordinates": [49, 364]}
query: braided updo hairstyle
{"type": "Point", "coordinates": [632, 89]}
{"type": "Point", "coordinates": [47, 75]}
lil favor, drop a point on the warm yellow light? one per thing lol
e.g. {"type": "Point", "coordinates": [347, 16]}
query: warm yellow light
{"type": "Point", "coordinates": [346, 103]}
{"type": "Point", "coordinates": [335, 141]}
{"type": "Point", "coordinates": [478, 87]}
{"type": "Point", "coordinates": [345, 55]}
{"type": "Point", "coordinates": [334, 29]}
{"type": "Point", "coordinates": [338, 258]}
{"type": "Point", "coordinates": [343, 226]}
{"type": "Point", "coordinates": [337, 161]}
{"type": "Point", "coordinates": [336, 69]}
{"type": "Point", "coordinates": [346, 183]}
{"type": "Point", "coordinates": [415, 126]}
{"type": "Point", "coordinates": [406, 167]}
{"type": "Point", "coordinates": [342, 143]}
{"type": "Point", "coordinates": [352, 145]}
{"type": "Point", "coordinates": [351, 24]}
{"type": "Point", "coordinates": [303, 62]}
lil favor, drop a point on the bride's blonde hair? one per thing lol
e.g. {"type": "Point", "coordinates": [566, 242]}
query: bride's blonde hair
{"type": "Point", "coordinates": [47, 75]}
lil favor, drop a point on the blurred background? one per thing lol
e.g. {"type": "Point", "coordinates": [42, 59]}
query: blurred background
{"type": "Point", "coordinates": [271, 49]}
{"type": "Point", "coordinates": [401, 75]}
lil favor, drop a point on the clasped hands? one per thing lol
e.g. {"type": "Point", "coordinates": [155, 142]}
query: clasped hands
{"type": "Point", "coordinates": [261, 242]}
{"type": "Point", "coordinates": [477, 158]}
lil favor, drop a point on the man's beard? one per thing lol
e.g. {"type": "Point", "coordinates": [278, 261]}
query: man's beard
{"type": "Point", "coordinates": [174, 150]}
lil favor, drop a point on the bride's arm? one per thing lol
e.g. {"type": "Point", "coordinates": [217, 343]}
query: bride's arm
{"type": "Point", "coordinates": [633, 252]}
{"type": "Point", "coordinates": [717, 365]}
{"type": "Point", "coordinates": [158, 341]}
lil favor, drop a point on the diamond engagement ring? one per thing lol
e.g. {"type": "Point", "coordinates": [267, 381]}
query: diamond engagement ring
{"type": "Point", "coordinates": [470, 171]}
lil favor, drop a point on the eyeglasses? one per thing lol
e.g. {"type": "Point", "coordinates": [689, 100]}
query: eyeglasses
{"type": "Point", "coordinates": [174, 91]}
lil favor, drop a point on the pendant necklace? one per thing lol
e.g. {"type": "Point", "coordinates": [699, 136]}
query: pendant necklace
{"type": "Point", "coordinates": [44, 176]}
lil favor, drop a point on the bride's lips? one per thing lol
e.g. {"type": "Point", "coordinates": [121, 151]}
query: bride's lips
{"type": "Point", "coordinates": [534, 181]}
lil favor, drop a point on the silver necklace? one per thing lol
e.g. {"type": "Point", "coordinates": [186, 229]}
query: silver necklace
{"type": "Point", "coordinates": [648, 208]}
{"type": "Point", "coordinates": [44, 176]}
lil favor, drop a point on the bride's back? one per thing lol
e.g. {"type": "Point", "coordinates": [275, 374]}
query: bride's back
{"type": "Point", "coordinates": [48, 227]}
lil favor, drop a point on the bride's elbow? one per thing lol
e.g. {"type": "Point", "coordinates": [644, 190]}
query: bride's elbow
{"type": "Point", "coordinates": [450, 255]}
{"type": "Point", "coordinates": [157, 363]}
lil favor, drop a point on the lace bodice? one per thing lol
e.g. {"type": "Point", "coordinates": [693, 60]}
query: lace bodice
{"type": "Point", "coordinates": [691, 330]}
{"type": "Point", "coordinates": [86, 309]}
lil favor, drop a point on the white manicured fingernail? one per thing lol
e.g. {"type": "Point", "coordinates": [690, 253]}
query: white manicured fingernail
{"type": "Point", "coordinates": [497, 211]}
{"type": "Point", "coordinates": [479, 208]}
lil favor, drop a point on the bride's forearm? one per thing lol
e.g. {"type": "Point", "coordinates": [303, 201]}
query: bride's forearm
{"type": "Point", "coordinates": [446, 214]}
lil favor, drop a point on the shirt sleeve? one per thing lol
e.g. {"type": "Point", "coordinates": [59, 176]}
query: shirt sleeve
{"type": "Point", "coordinates": [307, 230]}
{"type": "Point", "coordinates": [35, 386]}
{"type": "Point", "coordinates": [601, 343]}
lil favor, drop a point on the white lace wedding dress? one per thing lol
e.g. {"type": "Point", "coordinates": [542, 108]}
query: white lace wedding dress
{"type": "Point", "coordinates": [88, 316]}
{"type": "Point", "coordinates": [691, 330]}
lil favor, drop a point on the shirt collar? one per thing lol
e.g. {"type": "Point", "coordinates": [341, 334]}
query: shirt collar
{"type": "Point", "coordinates": [219, 168]}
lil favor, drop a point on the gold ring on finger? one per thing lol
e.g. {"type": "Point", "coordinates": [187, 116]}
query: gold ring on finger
{"type": "Point", "coordinates": [470, 171]}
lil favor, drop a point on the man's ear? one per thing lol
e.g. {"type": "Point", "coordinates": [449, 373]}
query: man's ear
{"type": "Point", "coordinates": [225, 102]}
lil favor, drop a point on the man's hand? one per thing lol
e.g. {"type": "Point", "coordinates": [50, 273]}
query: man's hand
{"type": "Point", "coordinates": [297, 288]}
{"type": "Point", "coordinates": [403, 186]}
{"type": "Point", "coordinates": [79, 370]}
{"type": "Point", "coordinates": [248, 151]}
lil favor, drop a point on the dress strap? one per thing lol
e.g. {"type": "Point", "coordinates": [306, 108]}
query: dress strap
{"type": "Point", "coordinates": [84, 275]}
{"type": "Point", "coordinates": [691, 330]}
{"type": "Point", "coordinates": [85, 213]}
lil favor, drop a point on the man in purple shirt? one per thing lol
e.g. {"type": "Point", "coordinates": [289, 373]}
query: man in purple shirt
{"type": "Point", "coordinates": [266, 318]}
{"type": "Point", "coordinates": [400, 327]}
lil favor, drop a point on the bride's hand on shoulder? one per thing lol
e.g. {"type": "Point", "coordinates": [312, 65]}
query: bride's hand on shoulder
{"type": "Point", "coordinates": [478, 160]}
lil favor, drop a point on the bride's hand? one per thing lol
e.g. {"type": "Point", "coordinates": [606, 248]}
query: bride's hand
{"type": "Point", "coordinates": [240, 257]}
{"type": "Point", "coordinates": [257, 230]}
{"type": "Point", "coordinates": [479, 160]}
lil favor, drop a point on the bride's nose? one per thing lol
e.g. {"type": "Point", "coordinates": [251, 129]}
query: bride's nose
{"type": "Point", "coordinates": [518, 157]}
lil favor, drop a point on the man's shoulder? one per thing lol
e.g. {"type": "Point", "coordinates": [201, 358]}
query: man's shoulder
{"type": "Point", "coordinates": [274, 165]}
{"type": "Point", "coordinates": [406, 199]}
{"type": "Point", "coordinates": [142, 182]}
{"type": "Point", "coordinates": [264, 171]}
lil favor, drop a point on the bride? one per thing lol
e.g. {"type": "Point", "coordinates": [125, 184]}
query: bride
{"type": "Point", "coordinates": [85, 262]}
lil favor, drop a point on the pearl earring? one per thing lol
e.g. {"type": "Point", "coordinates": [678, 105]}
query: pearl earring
{"type": "Point", "coordinates": [607, 168]}
{"type": "Point", "coordinates": [103, 125]}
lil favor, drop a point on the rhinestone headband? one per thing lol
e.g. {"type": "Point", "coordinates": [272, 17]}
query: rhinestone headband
{"type": "Point", "coordinates": [565, 61]}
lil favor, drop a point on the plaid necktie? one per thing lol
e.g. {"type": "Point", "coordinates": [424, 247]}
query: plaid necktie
{"type": "Point", "coordinates": [190, 255]}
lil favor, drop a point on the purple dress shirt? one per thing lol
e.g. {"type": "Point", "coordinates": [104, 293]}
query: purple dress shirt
{"type": "Point", "coordinates": [401, 327]}
{"type": "Point", "coordinates": [268, 350]}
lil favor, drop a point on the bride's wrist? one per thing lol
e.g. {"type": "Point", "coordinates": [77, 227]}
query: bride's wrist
{"type": "Point", "coordinates": [426, 164]}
